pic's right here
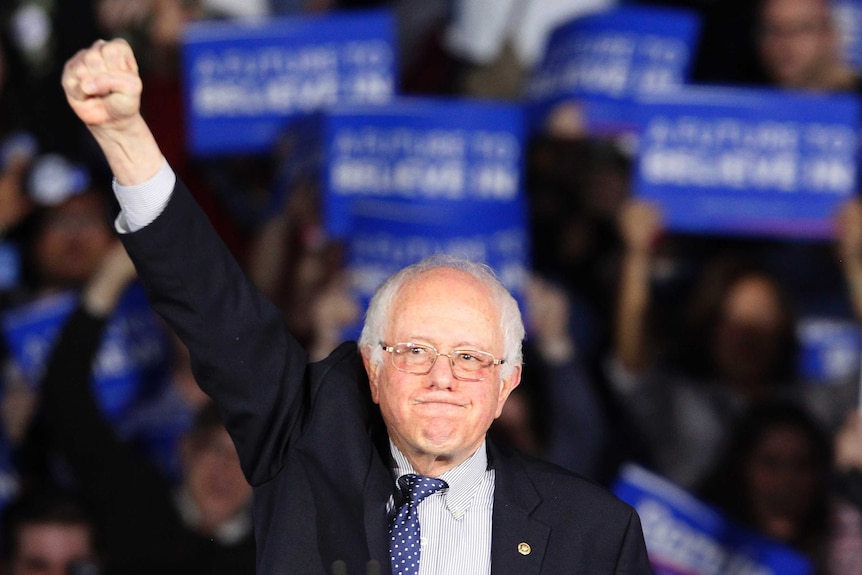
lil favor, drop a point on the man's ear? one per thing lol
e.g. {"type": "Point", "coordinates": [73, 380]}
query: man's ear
{"type": "Point", "coordinates": [507, 386]}
{"type": "Point", "coordinates": [372, 368]}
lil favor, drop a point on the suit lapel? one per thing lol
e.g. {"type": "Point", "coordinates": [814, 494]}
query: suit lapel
{"type": "Point", "coordinates": [377, 491]}
{"type": "Point", "coordinates": [518, 541]}
{"type": "Point", "coordinates": [379, 486]}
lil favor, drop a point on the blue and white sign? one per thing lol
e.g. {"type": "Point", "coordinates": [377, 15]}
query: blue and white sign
{"type": "Point", "coordinates": [424, 176]}
{"type": "Point", "coordinates": [245, 79]}
{"type": "Point", "coordinates": [748, 162]}
{"type": "Point", "coordinates": [132, 354]}
{"type": "Point", "coordinates": [829, 348]}
{"type": "Point", "coordinates": [684, 536]}
{"type": "Point", "coordinates": [604, 60]}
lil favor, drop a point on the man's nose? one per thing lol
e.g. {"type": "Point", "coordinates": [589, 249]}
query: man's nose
{"type": "Point", "coordinates": [441, 373]}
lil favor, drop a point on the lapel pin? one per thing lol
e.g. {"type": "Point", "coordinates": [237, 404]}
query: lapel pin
{"type": "Point", "coordinates": [524, 548]}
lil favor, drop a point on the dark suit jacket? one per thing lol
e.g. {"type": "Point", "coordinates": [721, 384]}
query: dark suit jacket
{"type": "Point", "coordinates": [313, 445]}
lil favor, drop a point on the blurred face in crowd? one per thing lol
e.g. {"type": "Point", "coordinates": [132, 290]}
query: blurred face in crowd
{"type": "Point", "coordinates": [797, 42]}
{"type": "Point", "coordinates": [213, 476]}
{"type": "Point", "coordinates": [437, 419]}
{"type": "Point", "coordinates": [783, 478]}
{"type": "Point", "coordinates": [50, 548]}
{"type": "Point", "coordinates": [747, 337]}
{"type": "Point", "coordinates": [72, 241]}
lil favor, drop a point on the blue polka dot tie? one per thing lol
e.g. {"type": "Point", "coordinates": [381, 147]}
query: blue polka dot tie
{"type": "Point", "coordinates": [404, 528]}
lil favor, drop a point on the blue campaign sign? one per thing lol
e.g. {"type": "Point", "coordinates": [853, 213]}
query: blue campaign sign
{"type": "Point", "coordinates": [244, 80]}
{"type": "Point", "coordinates": [748, 162]}
{"type": "Point", "coordinates": [829, 348]}
{"type": "Point", "coordinates": [132, 354]}
{"type": "Point", "coordinates": [605, 60]}
{"type": "Point", "coordinates": [10, 265]}
{"type": "Point", "coordinates": [422, 176]}
{"type": "Point", "coordinates": [424, 160]}
{"type": "Point", "coordinates": [684, 536]}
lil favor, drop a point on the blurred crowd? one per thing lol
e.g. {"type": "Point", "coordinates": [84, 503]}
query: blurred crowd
{"type": "Point", "coordinates": [678, 352]}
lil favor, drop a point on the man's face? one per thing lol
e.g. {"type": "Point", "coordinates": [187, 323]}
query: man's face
{"type": "Point", "coordinates": [783, 478]}
{"type": "Point", "coordinates": [50, 548]}
{"type": "Point", "coordinates": [796, 41]}
{"type": "Point", "coordinates": [213, 475]}
{"type": "Point", "coordinates": [73, 240]}
{"type": "Point", "coordinates": [748, 337]}
{"type": "Point", "coordinates": [436, 418]}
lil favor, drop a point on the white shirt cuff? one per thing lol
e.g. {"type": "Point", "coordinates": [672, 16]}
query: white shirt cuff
{"type": "Point", "coordinates": [140, 205]}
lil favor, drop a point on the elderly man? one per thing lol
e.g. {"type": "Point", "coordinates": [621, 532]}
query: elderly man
{"type": "Point", "coordinates": [340, 484]}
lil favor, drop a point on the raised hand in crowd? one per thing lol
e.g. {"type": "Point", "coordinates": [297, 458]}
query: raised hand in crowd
{"type": "Point", "coordinates": [640, 225]}
{"type": "Point", "coordinates": [100, 296]}
{"type": "Point", "coordinates": [848, 227]}
{"type": "Point", "coordinates": [548, 313]}
{"type": "Point", "coordinates": [106, 285]}
{"type": "Point", "coordinates": [848, 445]}
{"type": "Point", "coordinates": [334, 309]}
{"type": "Point", "coordinates": [14, 202]}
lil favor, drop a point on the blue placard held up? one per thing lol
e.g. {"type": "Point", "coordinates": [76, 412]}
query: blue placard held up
{"type": "Point", "coordinates": [829, 349]}
{"type": "Point", "coordinates": [244, 80]}
{"type": "Point", "coordinates": [684, 536]}
{"type": "Point", "coordinates": [603, 61]}
{"type": "Point", "coordinates": [748, 162]}
{"type": "Point", "coordinates": [422, 176]}
{"type": "Point", "coordinates": [132, 356]}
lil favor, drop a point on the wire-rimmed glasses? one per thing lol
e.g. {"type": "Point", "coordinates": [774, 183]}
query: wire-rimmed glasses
{"type": "Point", "coordinates": [419, 359]}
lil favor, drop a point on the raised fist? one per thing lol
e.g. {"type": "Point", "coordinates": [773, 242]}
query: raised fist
{"type": "Point", "coordinates": [103, 86]}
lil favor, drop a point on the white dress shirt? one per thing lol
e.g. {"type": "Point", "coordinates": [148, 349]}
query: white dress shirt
{"type": "Point", "coordinates": [455, 524]}
{"type": "Point", "coordinates": [141, 204]}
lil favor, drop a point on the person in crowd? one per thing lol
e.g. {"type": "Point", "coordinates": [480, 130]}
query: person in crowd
{"type": "Point", "coordinates": [845, 544]}
{"type": "Point", "coordinates": [15, 206]}
{"type": "Point", "coordinates": [782, 474]}
{"type": "Point", "coordinates": [294, 262]}
{"type": "Point", "coordinates": [148, 524]}
{"type": "Point", "coordinates": [325, 444]}
{"type": "Point", "coordinates": [48, 532]}
{"type": "Point", "coordinates": [64, 241]}
{"type": "Point", "coordinates": [575, 191]}
{"type": "Point", "coordinates": [560, 415]}
{"type": "Point", "coordinates": [798, 47]}
{"type": "Point", "coordinates": [61, 241]}
{"type": "Point", "coordinates": [774, 477]}
{"type": "Point", "coordinates": [71, 234]}
{"type": "Point", "coordinates": [735, 346]}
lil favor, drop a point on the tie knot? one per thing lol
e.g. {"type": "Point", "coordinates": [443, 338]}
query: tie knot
{"type": "Point", "coordinates": [417, 487]}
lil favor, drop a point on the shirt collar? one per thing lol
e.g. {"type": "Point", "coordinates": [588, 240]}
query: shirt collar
{"type": "Point", "coordinates": [463, 480]}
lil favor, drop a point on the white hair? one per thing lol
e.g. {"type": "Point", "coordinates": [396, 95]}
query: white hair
{"type": "Point", "coordinates": [510, 323]}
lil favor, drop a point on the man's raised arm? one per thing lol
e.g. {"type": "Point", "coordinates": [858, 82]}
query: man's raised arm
{"type": "Point", "coordinates": [103, 87]}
